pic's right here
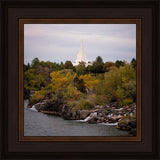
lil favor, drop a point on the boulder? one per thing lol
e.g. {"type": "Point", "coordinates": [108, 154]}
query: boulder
{"type": "Point", "coordinates": [78, 114]}
{"type": "Point", "coordinates": [49, 105]}
{"type": "Point", "coordinates": [127, 125]}
{"type": "Point", "coordinates": [40, 106]}
{"type": "Point", "coordinates": [83, 114]}
{"type": "Point", "coordinates": [110, 120]}
{"type": "Point", "coordinates": [66, 112]}
{"type": "Point", "coordinates": [73, 115]}
{"type": "Point", "coordinates": [102, 113]}
{"type": "Point", "coordinates": [116, 118]}
{"type": "Point", "coordinates": [92, 120]}
{"type": "Point", "coordinates": [29, 106]}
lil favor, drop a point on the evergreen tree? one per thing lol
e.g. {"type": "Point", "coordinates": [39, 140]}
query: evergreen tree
{"type": "Point", "coordinates": [134, 63]}
{"type": "Point", "coordinates": [98, 65]}
{"type": "Point", "coordinates": [35, 62]}
{"type": "Point", "coordinates": [68, 65]}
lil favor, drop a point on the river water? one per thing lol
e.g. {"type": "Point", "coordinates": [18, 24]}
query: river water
{"type": "Point", "coordinates": [40, 124]}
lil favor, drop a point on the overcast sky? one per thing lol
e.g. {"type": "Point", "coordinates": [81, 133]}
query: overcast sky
{"type": "Point", "coordinates": [61, 42]}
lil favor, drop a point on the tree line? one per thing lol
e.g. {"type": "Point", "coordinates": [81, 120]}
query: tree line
{"type": "Point", "coordinates": [98, 83]}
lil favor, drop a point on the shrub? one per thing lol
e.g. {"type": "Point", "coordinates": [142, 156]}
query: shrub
{"type": "Point", "coordinates": [130, 89]}
{"type": "Point", "coordinates": [83, 104]}
{"type": "Point", "coordinates": [125, 119]}
{"type": "Point", "coordinates": [36, 98]}
{"type": "Point", "coordinates": [65, 71]}
{"type": "Point", "coordinates": [122, 121]}
{"type": "Point", "coordinates": [127, 102]}
{"type": "Point", "coordinates": [40, 95]}
{"type": "Point", "coordinates": [92, 98]}
{"type": "Point", "coordinates": [101, 99]}
{"type": "Point", "coordinates": [71, 93]}
{"type": "Point", "coordinates": [87, 105]}
{"type": "Point", "coordinates": [120, 83]}
{"type": "Point", "coordinates": [120, 96]}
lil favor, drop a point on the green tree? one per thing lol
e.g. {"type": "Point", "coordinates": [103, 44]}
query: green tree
{"type": "Point", "coordinates": [98, 65]}
{"type": "Point", "coordinates": [33, 81]}
{"type": "Point", "coordinates": [99, 59]}
{"type": "Point", "coordinates": [119, 63]}
{"type": "Point", "coordinates": [134, 63]}
{"type": "Point", "coordinates": [26, 67]}
{"type": "Point", "coordinates": [79, 84]}
{"type": "Point", "coordinates": [35, 62]}
{"type": "Point", "coordinates": [130, 89]}
{"type": "Point", "coordinates": [81, 69]}
{"type": "Point", "coordinates": [61, 66]}
{"type": "Point", "coordinates": [90, 69]}
{"type": "Point", "coordinates": [68, 65]}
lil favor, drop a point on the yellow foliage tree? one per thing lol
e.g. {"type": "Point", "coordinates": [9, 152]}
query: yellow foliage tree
{"type": "Point", "coordinates": [89, 81]}
{"type": "Point", "coordinates": [63, 84]}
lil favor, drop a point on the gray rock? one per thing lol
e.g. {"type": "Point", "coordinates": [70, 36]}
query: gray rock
{"type": "Point", "coordinates": [40, 106]}
{"type": "Point", "coordinates": [92, 120]}
{"type": "Point", "coordinates": [83, 114]}
{"type": "Point", "coordinates": [66, 112]}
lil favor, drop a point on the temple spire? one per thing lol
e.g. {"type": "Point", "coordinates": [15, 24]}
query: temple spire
{"type": "Point", "coordinates": [81, 56]}
{"type": "Point", "coordinates": [81, 44]}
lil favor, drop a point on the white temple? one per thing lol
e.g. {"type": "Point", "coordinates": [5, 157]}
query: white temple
{"type": "Point", "coordinates": [81, 56]}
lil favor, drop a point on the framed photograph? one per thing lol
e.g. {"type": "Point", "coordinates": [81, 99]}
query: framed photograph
{"type": "Point", "coordinates": [96, 100]}
{"type": "Point", "coordinates": [80, 78]}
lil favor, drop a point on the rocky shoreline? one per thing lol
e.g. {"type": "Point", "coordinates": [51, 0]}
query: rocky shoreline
{"type": "Point", "coordinates": [124, 117]}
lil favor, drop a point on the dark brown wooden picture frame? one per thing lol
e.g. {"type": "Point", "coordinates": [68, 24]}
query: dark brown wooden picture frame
{"type": "Point", "coordinates": [145, 146]}
{"type": "Point", "coordinates": [79, 21]}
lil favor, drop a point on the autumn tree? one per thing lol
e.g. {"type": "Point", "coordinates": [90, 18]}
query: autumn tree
{"type": "Point", "coordinates": [63, 85]}
{"type": "Point", "coordinates": [108, 65]}
{"type": "Point", "coordinates": [120, 83]}
{"type": "Point", "coordinates": [33, 81]}
{"type": "Point", "coordinates": [89, 81]}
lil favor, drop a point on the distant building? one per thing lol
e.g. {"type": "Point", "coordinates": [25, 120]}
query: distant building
{"type": "Point", "coordinates": [81, 57]}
